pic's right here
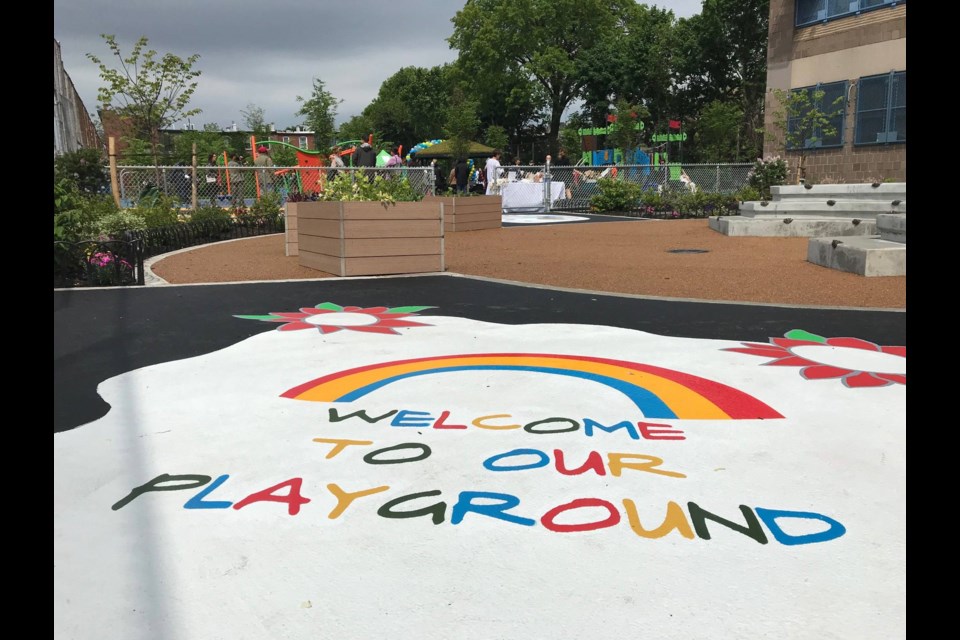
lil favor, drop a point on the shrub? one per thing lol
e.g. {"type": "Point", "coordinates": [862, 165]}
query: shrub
{"type": "Point", "coordinates": [113, 225]}
{"type": "Point", "coordinates": [158, 210]}
{"type": "Point", "coordinates": [748, 194]}
{"type": "Point", "coordinates": [347, 187]}
{"type": "Point", "coordinates": [83, 169]}
{"type": "Point", "coordinates": [76, 215]}
{"type": "Point", "coordinates": [616, 195]}
{"type": "Point", "coordinates": [108, 269]}
{"type": "Point", "coordinates": [767, 172]}
{"type": "Point", "coordinates": [211, 214]}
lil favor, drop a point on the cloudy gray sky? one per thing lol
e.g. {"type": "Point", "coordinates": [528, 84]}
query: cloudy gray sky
{"type": "Point", "coordinates": [267, 52]}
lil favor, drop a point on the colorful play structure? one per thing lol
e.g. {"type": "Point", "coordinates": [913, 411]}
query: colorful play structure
{"type": "Point", "coordinates": [306, 177]}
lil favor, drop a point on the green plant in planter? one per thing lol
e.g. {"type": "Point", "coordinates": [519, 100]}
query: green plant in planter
{"type": "Point", "coordinates": [347, 187]}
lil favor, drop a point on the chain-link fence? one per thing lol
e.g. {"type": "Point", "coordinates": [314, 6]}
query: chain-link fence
{"type": "Point", "coordinates": [522, 187]}
{"type": "Point", "coordinates": [580, 183]}
{"type": "Point", "coordinates": [242, 186]}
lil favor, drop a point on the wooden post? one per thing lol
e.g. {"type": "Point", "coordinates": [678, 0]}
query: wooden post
{"type": "Point", "coordinates": [193, 186]}
{"type": "Point", "coordinates": [114, 182]}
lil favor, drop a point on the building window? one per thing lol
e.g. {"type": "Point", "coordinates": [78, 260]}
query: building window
{"type": "Point", "coordinates": [303, 142]}
{"type": "Point", "coordinates": [882, 109]}
{"type": "Point", "coordinates": [830, 99]}
{"type": "Point", "coordinates": [814, 11]}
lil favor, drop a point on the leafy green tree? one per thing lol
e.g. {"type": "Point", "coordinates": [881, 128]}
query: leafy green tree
{"type": "Point", "coordinates": [625, 133]}
{"type": "Point", "coordinates": [83, 170]}
{"type": "Point", "coordinates": [634, 61]}
{"type": "Point", "coordinates": [802, 120]}
{"type": "Point", "coordinates": [411, 105]}
{"type": "Point", "coordinates": [150, 90]}
{"type": "Point", "coordinates": [461, 124]}
{"type": "Point", "coordinates": [539, 39]}
{"type": "Point", "coordinates": [254, 120]}
{"type": "Point", "coordinates": [570, 140]}
{"type": "Point", "coordinates": [718, 132]}
{"type": "Point", "coordinates": [207, 142]}
{"type": "Point", "coordinates": [722, 55]}
{"type": "Point", "coordinates": [496, 136]}
{"type": "Point", "coordinates": [357, 128]}
{"type": "Point", "coordinates": [320, 112]}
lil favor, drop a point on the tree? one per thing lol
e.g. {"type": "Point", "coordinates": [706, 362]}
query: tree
{"type": "Point", "coordinates": [634, 61]}
{"type": "Point", "coordinates": [496, 136]}
{"type": "Point", "coordinates": [320, 112]}
{"type": "Point", "coordinates": [626, 132]}
{"type": "Point", "coordinates": [722, 55]}
{"type": "Point", "coordinates": [461, 124]}
{"type": "Point", "coordinates": [718, 132]}
{"type": "Point", "coordinates": [802, 120]}
{"type": "Point", "coordinates": [411, 105]}
{"type": "Point", "coordinates": [540, 39]}
{"type": "Point", "coordinates": [149, 90]}
{"type": "Point", "coordinates": [254, 120]}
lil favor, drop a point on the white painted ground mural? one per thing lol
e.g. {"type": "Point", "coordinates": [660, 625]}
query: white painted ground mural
{"type": "Point", "coordinates": [387, 473]}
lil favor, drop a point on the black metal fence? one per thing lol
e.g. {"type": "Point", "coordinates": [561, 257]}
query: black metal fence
{"type": "Point", "coordinates": [97, 263]}
{"type": "Point", "coordinates": [112, 263]}
{"type": "Point", "coordinates": [190, 234]}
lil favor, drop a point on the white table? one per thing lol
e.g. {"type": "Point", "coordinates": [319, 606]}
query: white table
{"type": "Point", "coordinates": [528, 196]}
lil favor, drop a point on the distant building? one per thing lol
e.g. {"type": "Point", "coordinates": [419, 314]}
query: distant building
{"type": "Point", "coordinates": [72, 127]}
{"type": "Point", "coordinates": [855, 50]}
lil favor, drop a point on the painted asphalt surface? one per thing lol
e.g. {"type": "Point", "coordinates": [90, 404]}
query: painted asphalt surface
{"type": "Point", "coordinates": [442, 456]}
{"type": "Point", "coordinates": [102, 333]}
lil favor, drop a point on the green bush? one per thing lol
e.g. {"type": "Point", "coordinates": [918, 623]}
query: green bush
{"type": "Point", "coordinates": [616, 195]}
{"type": "Point", "coordinates": [748, 194]}
{"type": "Point", "coordinates": [158, 211]}
{"type": "Point", "coordinates": [84, 169]}
{"type": "Point", "coordinates": [767, 172]}
{"type": "Point", "coordinates": [211, 214]}
{"type": "Point", "coordinates": [347, 187]}
{"type": "Point", "coordinates": [77, 214]}
{"type": "Point", "coordinates": [114, 224]}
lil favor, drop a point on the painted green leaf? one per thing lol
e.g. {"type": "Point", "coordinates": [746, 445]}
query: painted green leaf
{"type": "Point", "coordinates": [330, 306]}
{"type": "Point", "coordinates": [269, 317]}
{"type": "Point", "coordinates": [407, 309]}
{"type": "Point", "coordinates": [800, 334]}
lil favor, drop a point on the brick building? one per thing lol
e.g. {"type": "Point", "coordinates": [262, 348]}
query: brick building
{"type": "Point", "coordinates": [855, 50]}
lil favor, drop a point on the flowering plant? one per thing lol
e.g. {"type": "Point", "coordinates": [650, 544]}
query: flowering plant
{"type": "Point", "coordinates": [767, 172]}
{"type": "Point", "coordinates": [108, 269]}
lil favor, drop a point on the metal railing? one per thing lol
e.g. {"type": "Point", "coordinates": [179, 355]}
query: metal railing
{"type": "Point", "coordinates": [98, 263]}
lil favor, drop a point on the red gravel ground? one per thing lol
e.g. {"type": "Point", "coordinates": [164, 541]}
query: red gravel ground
{"type": "Point", "coordinates": [629, 257]}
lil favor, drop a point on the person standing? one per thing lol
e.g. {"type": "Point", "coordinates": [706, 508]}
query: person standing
{"type": "Point", "coordinates": [562, 174]}
{"type": "Point", "coordinates": [263, 160]}
{"type": "Point", "coordinates": [461, 176]}
{"type": "Point", "coordinates": [395, 163]}
{"type": "Point", "coordinates": [366, 156]}
{"type": "Point", "coordinates": [236, 178]}
{"type": "Point", "coordinates": [492, 169]}
{"type": "Point", "coordinates": [336, 163]}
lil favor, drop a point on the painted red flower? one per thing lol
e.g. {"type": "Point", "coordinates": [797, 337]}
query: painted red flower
{"type": "Point", "coordinates": [328, 318]}
{"type": "Point", "coordinates": [856, 362]}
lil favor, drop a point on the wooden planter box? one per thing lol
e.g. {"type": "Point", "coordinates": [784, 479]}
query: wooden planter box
{"type": "Point", "coordinates": [470, 213]}
{"type": "Point", "coordinates": [368, 238]}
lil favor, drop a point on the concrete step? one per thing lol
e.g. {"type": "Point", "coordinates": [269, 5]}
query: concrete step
{"type": "Point", "coordinates": [892, 227]}
{"type": "Point", "coordinates": [886, 191]}
{"type": "Point", "coordinates": [810, 207]}
{"type": "Point", "coordinates": [866, 256]}
{"type": "Point", "coordinates": [788, 227]}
